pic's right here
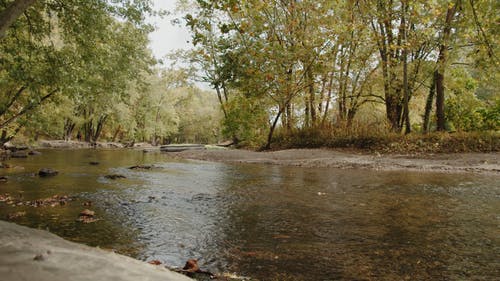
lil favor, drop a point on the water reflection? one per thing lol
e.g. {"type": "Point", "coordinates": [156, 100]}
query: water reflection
{"type": "Point", "coordinates": [272, 222]}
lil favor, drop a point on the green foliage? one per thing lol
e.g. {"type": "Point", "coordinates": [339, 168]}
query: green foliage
{"type": "Point", "coordinates": [464, 110]}
{"type": "Point", "coordinates": [84, 50]}
{"type": "Point", "coordinates": [307, 64]}
{"type": "Point", "coordinates": [246, 121]}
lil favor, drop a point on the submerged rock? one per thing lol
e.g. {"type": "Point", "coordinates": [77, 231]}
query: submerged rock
{"type": "Point", "coordinates": [87, 213]}
{"type": "Point", "coordinates": [5, 166]}
{"type": "Point", "coordinates": [12, 147]}
{"type": "Point", "coordinates": [16, 215]}
{"type": "Point", "coordinates": [115, 176]}
{"type": "Point", "coordinates": [87, 216]}
{"type": "Point", "coordinates": [141, 167]}
{"type": "Point", "coordinates": [19, 154]}
{"type": "Point", "coordinates": [34, 152]}
{"type": "Point", "coordinates": [155, 262]}
{"type": "Point", "coordinates": [53, 201]}
{"type": "Point", "coordinates": [94, 163]}
{"type": "Point", "coordinates": [47, 172]}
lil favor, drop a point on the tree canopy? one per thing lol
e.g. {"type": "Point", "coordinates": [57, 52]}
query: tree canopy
{"type": "Point", "coordinates": [296, 65]}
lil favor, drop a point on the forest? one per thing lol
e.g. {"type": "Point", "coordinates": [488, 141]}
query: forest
{"type": "Point", "coordinates": [282, 73]}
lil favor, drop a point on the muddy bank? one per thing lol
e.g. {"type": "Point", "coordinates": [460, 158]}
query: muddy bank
{"type": "Point", "coordinates": [485, 163]}
{"type": "Point", "coordinates": [31, 254]}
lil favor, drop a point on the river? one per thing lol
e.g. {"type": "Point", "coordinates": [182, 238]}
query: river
{"type": "Point", "coordinates": [269, 222]}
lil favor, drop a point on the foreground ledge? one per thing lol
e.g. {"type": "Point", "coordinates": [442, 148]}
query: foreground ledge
{"type": "Point", "coordinates": [32, 254]}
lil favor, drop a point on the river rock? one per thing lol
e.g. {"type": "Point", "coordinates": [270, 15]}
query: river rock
{"type": "Point", "coordinates": [3, 178]}
{"type": "Point", "coordinates": [16, 215]}
{"type": "Point", "coordinates": [19, 154]}
{"type": "Point", "coordinates": [87, 213]}
{"type": "Point", "coordinates": [5, 166]}
{"type": "Point", "coordinates": [141, 167]}
{"type": "Point", "coordinates": [115, 177]}
{"type": "Point", "coordinates": [13, 148]}
{"type": "Point", "coordinates": [191, 266]}
{"type": "Point", "coordinates": [34, 152]}
{"type": "Point", "coordinates": [94, 163]}
{"type": "Point", "coordinates": [47, 172]}
{"type": "Point", "coordinates": [87, 216]}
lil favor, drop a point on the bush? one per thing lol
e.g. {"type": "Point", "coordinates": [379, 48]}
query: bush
{"type": "Point", "coordinates": [386, 142]}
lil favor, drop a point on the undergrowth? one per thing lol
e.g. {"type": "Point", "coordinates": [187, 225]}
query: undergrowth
{"type": "Point", "coordinates": [387, 142]}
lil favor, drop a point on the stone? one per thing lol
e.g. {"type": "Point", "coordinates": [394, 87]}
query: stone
{"type": "Point", "coordinates": [141, 167]}
{"type": "Point", "coordinates": [47, 172]}
{"type": "Point", "coordinates": [115, 177]}
{"type": "Point", "coordinates": [19, 154]}
{"type": "Point", "coordinates": [87, 213]}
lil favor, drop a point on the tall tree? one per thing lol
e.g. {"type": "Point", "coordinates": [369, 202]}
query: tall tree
{"type": "Point", "coordinates": [442, 61]}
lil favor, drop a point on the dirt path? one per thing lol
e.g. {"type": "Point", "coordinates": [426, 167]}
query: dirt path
{"type": "Point", "coordinates": [484, 163]}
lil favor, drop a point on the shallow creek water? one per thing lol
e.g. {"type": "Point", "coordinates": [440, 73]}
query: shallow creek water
{"type": "Point", "coordinates": [270, 222]}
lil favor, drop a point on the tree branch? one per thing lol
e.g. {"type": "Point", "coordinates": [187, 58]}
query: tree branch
{"type": "Point", "coordinates": [27, 108]}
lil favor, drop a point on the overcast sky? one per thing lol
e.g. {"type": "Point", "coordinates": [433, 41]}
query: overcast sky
{"type": "Point", "coordinates": [167, 37]}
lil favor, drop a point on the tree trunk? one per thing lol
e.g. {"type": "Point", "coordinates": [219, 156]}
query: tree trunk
{"type": "Point", "coordinates": [69, 126]}
{"type": "Point", "coordinates": [88, 131]}
{"type": "Point", "coordinates": [312, 97]}
{"type": "Point", "coordinates": [289, 117]}
{"type": "Point", "coordinates": [221, 101]}
{"type": "Point", "coordinates": [100, 126]}
{"type": "Point", "coordinates": [117, 131]}
{"type": "Point", "coordinates": [306, 112]}
{"type": "Point", "coordinates": [406, 94]}
{"type": "Point", "coordinates": [428, 104]}
{"type": "Point", "coordinates": [441, 120]}
{"type": "Point", "coordinates": [441, 66]}
{"type": "Point", "coordinates": [271, 130]}
{"type": "Point", "coordinates": [12, 13]}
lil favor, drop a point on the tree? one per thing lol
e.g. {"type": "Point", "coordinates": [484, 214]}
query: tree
{"type": "Point", "coordinates": [44, 51]}
{"type": "Point", "coordinates": [441, 63]}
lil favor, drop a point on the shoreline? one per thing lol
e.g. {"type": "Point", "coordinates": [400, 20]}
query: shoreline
{"type": "Point", "coordinates": [479, 163]}
{"type": "Point", "coordinates": [456, 162]}
{"type": "Point", "coordinates": [34, 254]}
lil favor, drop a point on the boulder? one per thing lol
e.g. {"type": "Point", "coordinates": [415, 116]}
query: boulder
{"type": "Point", "coordinates": [64, 260]}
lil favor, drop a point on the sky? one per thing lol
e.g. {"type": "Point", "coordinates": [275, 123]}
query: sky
{"type": "Point", "coordinates": [167, 37]}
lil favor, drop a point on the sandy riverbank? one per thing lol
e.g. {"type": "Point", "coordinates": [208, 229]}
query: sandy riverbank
{"type": "Point", "coordinates": [484, 163]}
{"type": "Point", "coordinates": [32, 254]}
